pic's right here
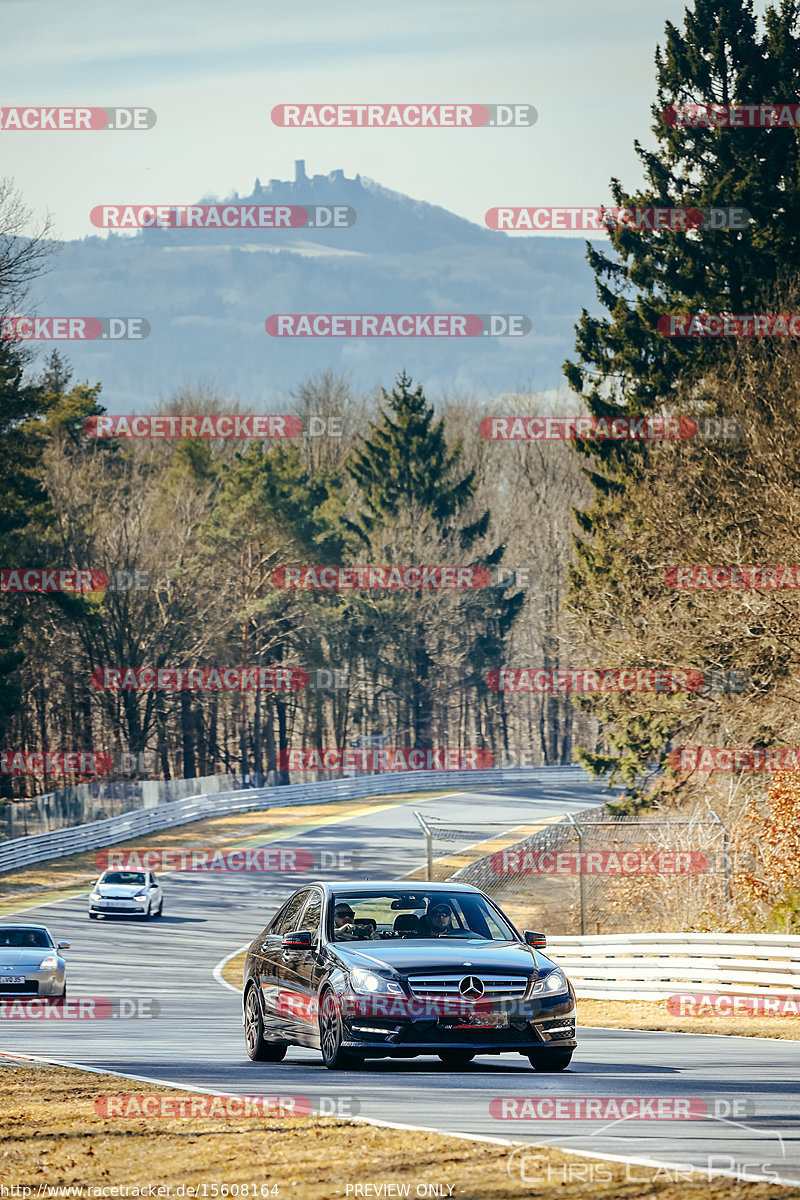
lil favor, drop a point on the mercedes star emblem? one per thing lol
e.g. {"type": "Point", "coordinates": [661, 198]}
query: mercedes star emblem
{"type": "Point", "coordinates": [470, 985]}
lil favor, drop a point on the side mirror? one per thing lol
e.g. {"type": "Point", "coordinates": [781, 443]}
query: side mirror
{"type": "Point", "coordinates": [302, 938]}
{"type": "Point", "coordinates": [537, 940]}
{"type": "Point", "coordinates": [62, 946]}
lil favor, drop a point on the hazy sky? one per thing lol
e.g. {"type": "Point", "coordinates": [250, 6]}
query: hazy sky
{"type": "Point", "coordinates": [214, 71]}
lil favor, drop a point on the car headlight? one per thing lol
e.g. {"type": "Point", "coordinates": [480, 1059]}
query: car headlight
{"type": "Point", "coordinates": [366, 983]}
{"type": "Point", "coordinates": [95, 896]}
{"type": "Point", "coordinates": [551, 984]}
{"type": "Point", "coordinates": [49, 964]}
{"type": "Point", "coordinates": [140, 895]}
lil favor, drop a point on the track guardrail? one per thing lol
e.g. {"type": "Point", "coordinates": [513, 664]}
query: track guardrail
{"type": "Point", "coordinates": [650, 966]}
{"type": "Point", "coordinates": [57, 843]}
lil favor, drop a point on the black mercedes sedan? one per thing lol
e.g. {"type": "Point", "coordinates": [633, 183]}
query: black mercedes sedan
{"type": "Point", "coordinates": [398, 969]}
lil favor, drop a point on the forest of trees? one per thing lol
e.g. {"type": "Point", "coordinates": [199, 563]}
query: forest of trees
{"type": "Point", "coordinates": [192, 530]}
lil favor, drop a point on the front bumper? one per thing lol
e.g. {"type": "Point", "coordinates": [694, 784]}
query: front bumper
{"type": "Point", "coordinates": [37, 983]}
{"type": "Point", "coordinates": [119, 908]}
{"type": "Point", "coordinates": [531, 1025]}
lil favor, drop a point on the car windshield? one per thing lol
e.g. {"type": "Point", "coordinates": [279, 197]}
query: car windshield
{"type": "Point", "coordinates": [126, 878]}
{"type": "Point", "coordinates": [415, 915]}
{"type": "Point", "coordinates": [20, 937]}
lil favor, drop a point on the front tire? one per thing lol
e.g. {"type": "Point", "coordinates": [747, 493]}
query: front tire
{"type": "Point", "coordinates": [551, 1060]}
{"type": "Point", "coordinates": [93, 916]}
{"type": "Point", "coordinates": [257, 1049]}
{"type": "Point", "coordinates": [456, 1058]}
{"type": "Point", "coordinates": [330, 1035]}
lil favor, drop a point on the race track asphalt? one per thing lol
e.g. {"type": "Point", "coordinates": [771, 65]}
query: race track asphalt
{"type": "Point", "coordinates": [751, 1086]}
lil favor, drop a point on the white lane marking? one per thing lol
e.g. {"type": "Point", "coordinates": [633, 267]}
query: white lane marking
{"type": "Point", "coordinates": [222, 963]}
{"type": "Point", "coordinates": [467, 1137]}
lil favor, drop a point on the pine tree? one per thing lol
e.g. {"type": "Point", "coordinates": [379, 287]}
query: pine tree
{"type": "Point", "coordinates": [624, 365]}
{"type": "Point", "coordinates": [407, 461]}
{"type": "Point", "coordinates": [405, 470]}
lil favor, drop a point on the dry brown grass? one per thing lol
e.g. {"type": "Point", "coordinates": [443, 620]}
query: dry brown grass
{"type": "Point", "coordinates": [51, 1135]}
{"type": "Point", "coordinates": [652, 1014]}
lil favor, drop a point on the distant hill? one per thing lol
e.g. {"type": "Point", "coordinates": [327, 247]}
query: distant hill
{"type": "Point", "coordinates": [207, 293]}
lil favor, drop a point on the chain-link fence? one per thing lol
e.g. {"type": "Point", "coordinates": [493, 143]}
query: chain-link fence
{"type": "Point", "coordinates": [588, 873]}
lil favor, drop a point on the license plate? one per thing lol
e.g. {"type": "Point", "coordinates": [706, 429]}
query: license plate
{"type": "Point", "coordinates": [481, 1021]}
{"type": "Point", "coordinates": [12, 978]}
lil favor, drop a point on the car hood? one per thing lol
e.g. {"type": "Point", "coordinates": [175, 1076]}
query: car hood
{"type": "Point", "coordinates": [22, 956]}
{"type": "Point", "coordinates": [120, 891]}
{"type": "Point", "coordinates": [406, 956]}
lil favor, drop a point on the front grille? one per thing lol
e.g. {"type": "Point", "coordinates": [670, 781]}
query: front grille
{"type": "Point", "coordinates": [119, 908]}
{"type": "Point", "coordinates": [29, 988]}
{"type": "Point", "coordinates": [495, 987]}
{"type": "Point", "coordinates": [440, 1035]}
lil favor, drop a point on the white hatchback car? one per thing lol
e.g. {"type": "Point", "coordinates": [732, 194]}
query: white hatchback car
{"type": "Point", "coordinates": [126, 893]}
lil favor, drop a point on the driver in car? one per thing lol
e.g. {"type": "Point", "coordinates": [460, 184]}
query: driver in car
{"type": "Point", "coordinates": [438, 920]}
{"type": "Point", "coordinates": [345, 926]}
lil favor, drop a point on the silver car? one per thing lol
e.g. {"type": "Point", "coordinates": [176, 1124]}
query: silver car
{"type": "Point", "coordinates": [30, 963]}
{"type": "Point", "coordinates": [126, 893]}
